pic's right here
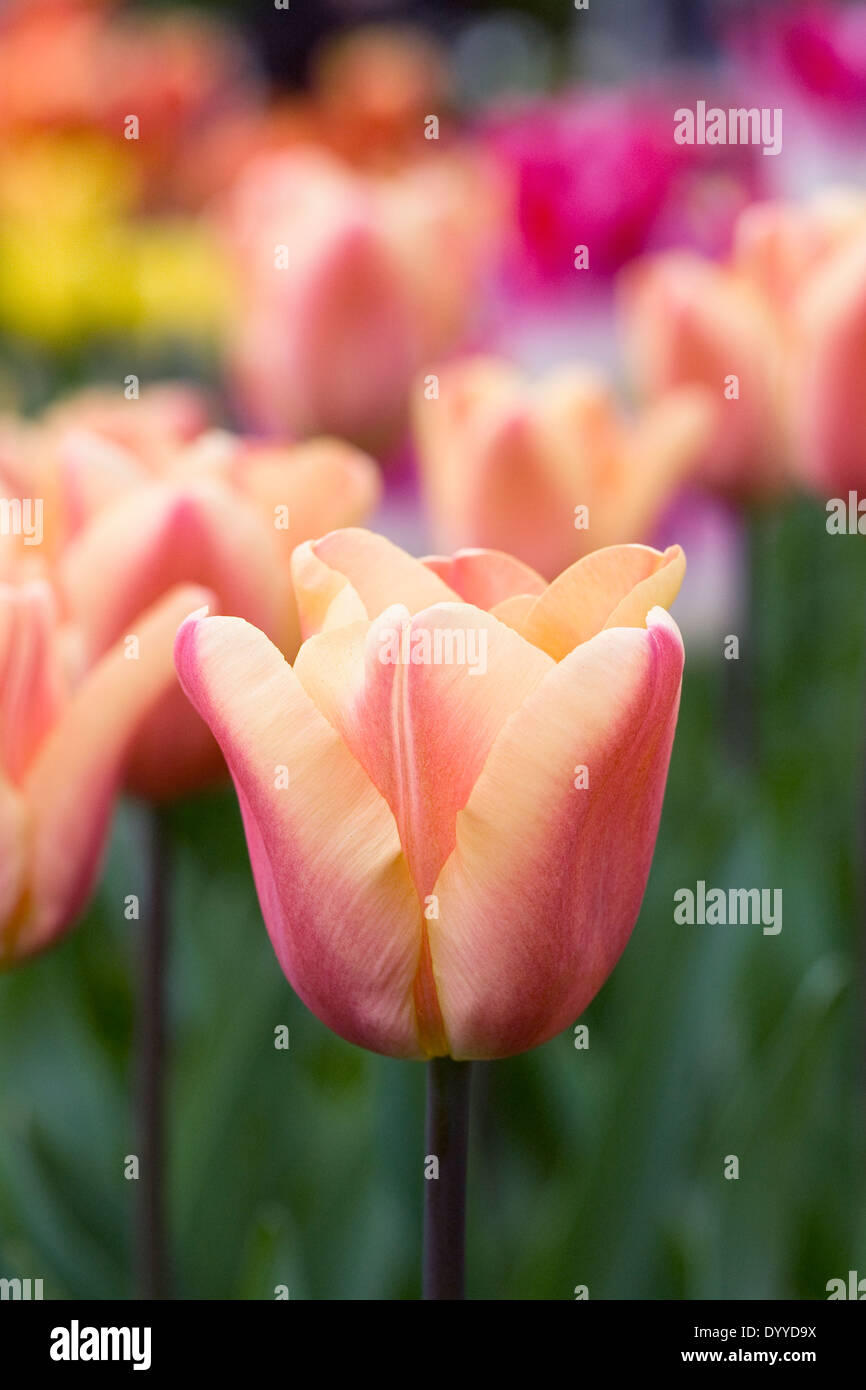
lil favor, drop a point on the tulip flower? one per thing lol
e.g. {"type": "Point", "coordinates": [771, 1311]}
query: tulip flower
{"type": "Point", "coordinates": [450, 853]}
{"type": "Point", "coordinates": [775, 333]}
{"type": "Point", "coordinates": [165, 417]}
{"type": "Point", "coordinates": [600, 169]}
{"type": "Point", "coordinates": [348, 284]}
{"type": "Point", "coordinates": [816, 48]}
{"type": "Point", "coordinates": [507, 462]}
{"type": "Point", "coordinates": [64, 739]}
{"type": "Point", "coordinates": [139, 491]}
{"type": "Point", "coordinates": [367, 96]}
{"type": "Point", "coordinates": [86, 65]}
{"type": "Point", "coordinates": [691, 322]}
{"type": "Point", "coordinates": [372, 90]}
{"type": "Point", "coordinates": [828, 413]}
{"type": "Point", "coordinates": [450, 800]}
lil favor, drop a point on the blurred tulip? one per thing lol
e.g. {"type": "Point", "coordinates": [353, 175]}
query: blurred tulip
{"type": "Point", "coordinates": [776, 333]}
{"type": "Point", "coordinates": [506, 462]}
{"type": "Point", "coordinates": [828, 372]}
{"type": "Point", "coordinates": [601, 170]}
{"type": "Point", "coordinates": [372, 90]}
{"type": "Point", "coordinates": [368, 95]}
{"type": "Point", "coordinates": [692, 322]}
{"type": "Point", "coordinates": [817, 46]}
{"type": "Point", "coordinates": [85, 66]}
{"type": "Point", "coordinates": [435, 877]}
{"type": "Point", "coordinates": [64, 741]}
{"type": "Point", "coordinates": [151, 500]}
{"type": "Point", "coordinates": [594, 171]}
{"type": "Point", "coordinates": [166, 416]}
{"type": "Point", "coordinates": [47, 69]}
{"type": "Point", "coordinates": [217, 519]}
{"type": "Point", "coordinates": [348, 285]}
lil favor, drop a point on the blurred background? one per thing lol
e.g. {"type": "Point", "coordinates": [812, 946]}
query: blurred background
{"type": "Point", "coordinates": [602, 1166]}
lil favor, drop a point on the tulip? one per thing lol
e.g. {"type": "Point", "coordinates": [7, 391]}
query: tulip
{"type": "Point", "coordinates": [227, 514]}
{"type": "Point", "coordinates": [347, 285]}
{"type": "Point", "coordinates": [64, 741]}
{"type": "Point", "coordinates": [373, 88]}
{"type": "Point", "coordinates": [142, 491]}
{"type": "Point", "coordinates": [828, 402]}
{"type": "Point", "coordinates": [600, 169]}
{"type": "Point", "coordinates": [111, 273]}
{"type": "Point", "coordinates": [366, 99]}
{"type": "Point", "coordinates": [137, 491]}
{"type": "Point", "coordinates": [165, 417]}
{"type": "Point", "coordinates": [450, 856]}
{"type": "Point", "coordinates": [775, 333]}
{"type": "Point", "coordinates": [78, 65]}
{"type": "Point", "coordinates": [693, 323]}
{"type": "Point", "coordinates": [817, 48]}
{"type": "Point", "coordinates": [505, 462]}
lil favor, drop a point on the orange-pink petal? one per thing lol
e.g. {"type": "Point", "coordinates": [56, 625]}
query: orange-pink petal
{"type": "Point", "coordinates": [336, 894]}
{"type": "Point", "coordinates": [418, 702]}
{"type": "Point", "coordinates": [541, 893]}
{"type": "Point", "coordinates": [70, 785]}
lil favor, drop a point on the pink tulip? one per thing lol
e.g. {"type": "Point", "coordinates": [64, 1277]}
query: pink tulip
{"type": "Point", "coordinates": [166, 416]}
{"type": "Point", "coordinates": [816, 47]}
{"type": "Point", "coordinates": [434, 875]}
{"type": "Point", "coordinates": [600, 169]}
{"type": "Point", "coordinates": [694, 323]}
{"type": "Point", "coordinates": [64, 742]}
{"type": "Point", "coordinates": [828, 400]}
{"type": "Point", "coordinates": [348, 285]}
{"type": "Point", "coordinates": [506, 461]}
{"type": "Point", "coordinates": [86, 65]}
{"type": "Point", "coordinates": [134, 510]}
{"type": "Point", "coordinates": [775, 333]}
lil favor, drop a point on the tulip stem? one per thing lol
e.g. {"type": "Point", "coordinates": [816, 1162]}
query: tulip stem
{"type": "Point", "coordinates": [447, 1141]}
{"type": "Point", "coordinates": [153, 1282]}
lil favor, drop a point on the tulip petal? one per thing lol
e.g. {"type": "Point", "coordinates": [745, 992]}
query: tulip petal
{"type": "Point", "coordinates": [486, 577]}
{"type": "Point", "coordinates": [692, 322]}
{"type": "Point", "coordinates": [614, 587]}
{"type": "Point", "coordinates": [161, 535]}
{"type": "Point", "coordinates": [539, 897]}
{"type": "Point", "coordinates": [324, 597]}
{"type": "Point", "coordinates": [660, 451]}
{"type": "Point", "coordinates": [829, 407]}
{"type": "Point", "coordinates": [377, 573]}
{"type": "Point", "coordinates": [419, 701]}
{"type": "Point", "coordinates": [322, 483]}
{"type": "Point", "coordinates": [336, 894]}
{"type": "Point", "coordinates": [32, 685]}
{"type": "Point", "coordinates": [70, 785]}
{"type": "Point", "coordinates": [93, 470]}
{"type": "Point", "coordinates": [13, 866]}
{"type": "Point", "coordinates": [515, 611]}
